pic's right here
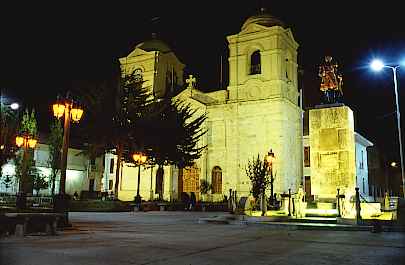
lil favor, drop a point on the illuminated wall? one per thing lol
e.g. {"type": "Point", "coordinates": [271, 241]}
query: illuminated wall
{"type": "Point", "coordinates": [332, 148]}
{"type": "Point", "coordinates": [256, 112]}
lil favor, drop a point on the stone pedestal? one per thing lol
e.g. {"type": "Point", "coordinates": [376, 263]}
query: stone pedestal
{"type": "Point", "coordinates": [332, 151]}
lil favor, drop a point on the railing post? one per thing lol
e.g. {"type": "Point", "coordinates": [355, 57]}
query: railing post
{"type": "Point", "coordinates": [338, 203]}
{"type": "Point", "coordinates": [358, 208]}
{"type": "Point", "coordinates": [289, 202]}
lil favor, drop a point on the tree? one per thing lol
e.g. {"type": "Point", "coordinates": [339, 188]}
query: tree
{"type": "Point", "coordinates": [205, 186]}
{"type": "Point", "coordinates": [8, 129]}
{"type": "Point", "coordinates": [257, 172]}
{"type": "Point", "coordinates": [25, 161]}
{"type": "Point", "coordinates": [39, 181]}
{"type": "Point", "coordinates": [55, 142]}
{"type": "Point", "coordinates": [114, 108]}
{"type": "Point", "coordinates": [171, 133]}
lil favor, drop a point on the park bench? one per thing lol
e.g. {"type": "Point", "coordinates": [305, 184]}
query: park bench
{"type": "Point", "coordinates": [25, 223]}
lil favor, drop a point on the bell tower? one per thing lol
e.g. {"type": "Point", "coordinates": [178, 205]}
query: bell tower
{"type": "Point", "coordinates": [156, 64]}
{"type": "Point", "coordinates": [263, 60]}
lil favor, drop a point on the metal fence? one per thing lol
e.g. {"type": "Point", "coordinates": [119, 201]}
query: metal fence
{"type": "Point", "coordinates": [9, 200]}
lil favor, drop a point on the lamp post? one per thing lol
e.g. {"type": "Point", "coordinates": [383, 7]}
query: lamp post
{"type": "Point", "coordinates": [72, 111]}
{"type": "Point", "coordinates": [378, 65]}
{"type": "Point", "coordinates": [139, 159]}
{"type": "Point", "coordinates": [26, 142]}
{"type": "Point", "coordinates": [270, 158]}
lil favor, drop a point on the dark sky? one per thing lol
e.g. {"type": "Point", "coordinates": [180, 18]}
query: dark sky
{"type": "Point", "coordinates": [46, 46]}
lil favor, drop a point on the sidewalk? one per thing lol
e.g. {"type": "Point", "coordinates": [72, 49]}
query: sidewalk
{"type": "Point", "coordinates": [289, 223]}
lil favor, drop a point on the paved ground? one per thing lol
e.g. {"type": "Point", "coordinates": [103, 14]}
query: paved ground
{"type": "Point", "coordinates": [177, 238]}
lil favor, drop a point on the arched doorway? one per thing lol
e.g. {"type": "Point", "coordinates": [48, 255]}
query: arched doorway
{"type": "Point", "coordinates": [216, 180]}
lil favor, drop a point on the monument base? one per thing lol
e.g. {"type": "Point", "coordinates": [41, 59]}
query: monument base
{"type": "Point", "coordinates": [332, 151]}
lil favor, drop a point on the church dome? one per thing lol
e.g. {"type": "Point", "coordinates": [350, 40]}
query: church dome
{"type": "Point", "coordinates": [153, 44]}
{"type": "Point", "coordinates": [263, 19]}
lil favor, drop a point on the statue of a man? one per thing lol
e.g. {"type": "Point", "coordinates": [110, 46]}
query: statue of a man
{"type": "Point", "coordinates": [331, 81]}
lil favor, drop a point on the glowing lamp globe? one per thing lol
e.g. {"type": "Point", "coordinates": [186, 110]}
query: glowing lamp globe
{"type": "Point", "coordinates": [32, 142]}
{"type": "Point", "coordinates": [19, 141]}
{"type": "Point", "coordinates": [136, 157]}
{"type": "Point", "coordinates": [377, 65]}
{"type": "Point", "coordinates": [76, 114]}
{"type": "Point", "coordinates": [14, 106]}
{"type": "Point", "coordinates": [143, 158]}
{"type": "Point", "coordinates": [270, 158]}
{"type": "Point", "coordinates": [58, 109]}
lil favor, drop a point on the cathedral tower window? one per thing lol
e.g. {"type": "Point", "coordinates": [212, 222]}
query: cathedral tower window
{"type": "Point", "coordinates": [216, 180]}
{"type": "Point", "coordinates": [255, 66]}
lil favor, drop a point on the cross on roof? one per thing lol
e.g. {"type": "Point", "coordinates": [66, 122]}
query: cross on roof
{"type": "Point", "coordinates": [191, 81]}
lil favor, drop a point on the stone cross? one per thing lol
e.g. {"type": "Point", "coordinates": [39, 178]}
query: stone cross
{"type": "Point", "coordinates": [191, 81]}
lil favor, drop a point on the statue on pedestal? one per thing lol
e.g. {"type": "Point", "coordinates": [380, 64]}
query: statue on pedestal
{"type": "Point", "coordinates": [331, 81]}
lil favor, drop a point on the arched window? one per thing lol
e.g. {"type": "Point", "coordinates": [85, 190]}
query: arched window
{"type": "Point", "coordinates": [255, 67]}
{"type": "Point", "coordinates": [216, 180]}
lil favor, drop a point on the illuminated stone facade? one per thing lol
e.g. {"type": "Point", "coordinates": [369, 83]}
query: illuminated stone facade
{"type": "Point", "coordinates": [332, 148]}
{"type": "Point", "coordinates": [258, 110]}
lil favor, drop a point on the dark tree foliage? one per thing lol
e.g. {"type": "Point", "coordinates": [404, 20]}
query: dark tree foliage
{"type": "Point", "coordinates": [257, 172]}
{"type": "Point", "coordinates": [8, 129]}
{"type": "Point", "coordinates": [113, 109]}
{"type": "Point", "coordinates": [172, 132]}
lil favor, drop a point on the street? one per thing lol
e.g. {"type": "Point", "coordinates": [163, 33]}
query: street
{"type": "Point", "coordinates": [178, 238]}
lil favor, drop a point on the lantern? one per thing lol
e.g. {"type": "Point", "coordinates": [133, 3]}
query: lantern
{"type": "Point", "coordinates": [76, 114]}
{"type": "Point", "coordinates": [32, 142]}
{"type": "Point", "coordinates": [136, 157]}
{"type": "Point", "coordinates": [19, 141]}
{"type": "Point", "coordinates": [143, 158]}
{"type": "Point", "coordinates": [270, 158]}
{"type": "Point", "coordinates": [58, 109]}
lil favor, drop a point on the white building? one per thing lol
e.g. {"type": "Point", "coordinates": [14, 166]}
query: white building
{"type": "Point", "coordinates": [82, 174]}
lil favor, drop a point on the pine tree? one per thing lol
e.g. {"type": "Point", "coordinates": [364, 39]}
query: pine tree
{"type": "Point", "coordinates": [115, 107]}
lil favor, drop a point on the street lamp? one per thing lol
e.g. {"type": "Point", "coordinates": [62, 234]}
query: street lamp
{"type": "Point", "coordinates": [139, 159]}
{"type": "Point", "coordinates": [72, 111]}
{"type": "Point", "coordinates": [269, 160]}
{"type": "Point", "coordinates": [378, 65]}
{"type": "Point", "coordinates": [25, 141]}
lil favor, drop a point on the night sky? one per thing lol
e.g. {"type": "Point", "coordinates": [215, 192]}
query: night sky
{"type": "Point", "coordinates": [46, 47]}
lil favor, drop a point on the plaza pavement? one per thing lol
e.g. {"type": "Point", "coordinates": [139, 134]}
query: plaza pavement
{"type": "Point", "coordinates": [178, 238]}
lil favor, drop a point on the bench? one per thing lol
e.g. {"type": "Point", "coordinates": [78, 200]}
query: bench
{"type": "Point", "coordinates": [25, 223]}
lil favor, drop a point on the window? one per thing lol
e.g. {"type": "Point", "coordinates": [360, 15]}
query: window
{"type": "Point", "coordinates": [255, 66]}
{"type": "Point", "coordinates": [362, 160]}
{"type": "Point", "coordinates": [91, 185]}
{"type": "Point", "coordinates": [110, 184]}
{"type": "Point", "coordinates": [216, 180]}
{"type": "Point", "coordinates": [364, 187]}
{"type": "Point", "coordinates": [307, 157]}
{"type": "Point", "coordinates": [112, 166]}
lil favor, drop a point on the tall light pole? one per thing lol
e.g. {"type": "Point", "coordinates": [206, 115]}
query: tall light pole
{"type": "Point", "coordinates": [72, 111]}
{"type": "Point", "coordinates": [378, 65]}
{"type": "Point", "coordinates": [139, 159]}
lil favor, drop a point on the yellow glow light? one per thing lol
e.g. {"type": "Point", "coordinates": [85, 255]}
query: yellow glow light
{"type": "Point", "coordinates": [32, 142]}
{"type": "Point", "coordinates": [58, 110]}
{"type": "Point", "coordinates": [136, 157]}
{"type": "Point", "coordinates": [143, 158]}
{"type": "Point", "coordinates": [19, 141]}
{"type": "Point", "coordinates": [76, 114]}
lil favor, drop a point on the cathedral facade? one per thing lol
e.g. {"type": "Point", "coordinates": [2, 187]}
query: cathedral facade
{"type": "Point", "coordinates": [257, 112]}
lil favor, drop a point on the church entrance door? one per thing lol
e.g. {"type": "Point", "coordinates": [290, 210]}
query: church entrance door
{"type": "Point", "coordinates": [189, 181]}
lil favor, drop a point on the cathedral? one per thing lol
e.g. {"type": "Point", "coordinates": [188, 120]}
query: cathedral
{"type": "Point", "coordinates": [258, 111]}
